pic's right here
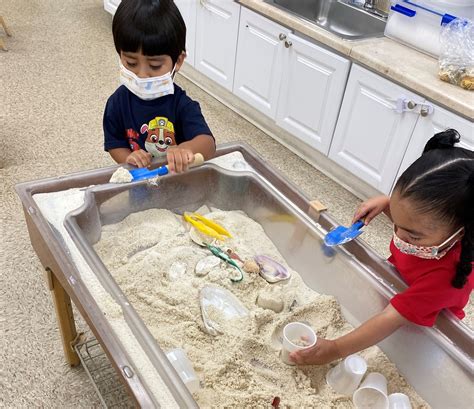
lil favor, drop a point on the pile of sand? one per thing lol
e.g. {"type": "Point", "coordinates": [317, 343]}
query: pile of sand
{"type": "Point", "coordinates": [240, 368]}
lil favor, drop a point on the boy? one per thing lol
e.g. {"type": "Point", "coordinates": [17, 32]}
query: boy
{"type": "Point", "coordinates": [150, 116]}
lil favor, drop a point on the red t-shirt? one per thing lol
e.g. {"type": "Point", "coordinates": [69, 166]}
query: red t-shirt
{"type": "Point", "coordinates": [429, 286]}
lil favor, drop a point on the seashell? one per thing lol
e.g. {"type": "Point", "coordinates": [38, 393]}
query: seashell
{"type": "Point", "coordinates": [251, 266]}
{"type": "Point", "coordinates": [218, 307]}
{"type": "Point", "coordinates": [271, 270]}
{"type": "Point", "coordinates": [177, 270]}
{"type": "Point", "coordinates": [205, 265]}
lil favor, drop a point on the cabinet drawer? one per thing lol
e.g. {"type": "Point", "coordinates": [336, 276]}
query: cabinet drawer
{"type": "Point", "coordinates": [311, 92]}
{"type": "Point", "coordinates": [371, 137]}
{"type": "Point", "coordinates": [259, 62]}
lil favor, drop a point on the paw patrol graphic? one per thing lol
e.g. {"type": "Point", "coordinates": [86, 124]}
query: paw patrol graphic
{"type": "Point", "coordinates": [160, 135]}
{"type": "Point", "coordinates": [132, 138]}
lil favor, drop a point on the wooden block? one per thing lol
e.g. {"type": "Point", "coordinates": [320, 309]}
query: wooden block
{"type": "Point", "coordinates": [317, 206]}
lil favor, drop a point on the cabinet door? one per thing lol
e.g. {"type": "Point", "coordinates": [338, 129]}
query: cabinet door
{"type": "Point", "coordinates": [259, 62]}
{"type": "Point", "coordinates": [216, 40]}
{"type": "Point", "coordinates": [371, 137]}
{"type": "Point", "coordinates": [426, 127]}
{"type": "Point", "coordinates": [311, 92]}
{"type": "Point", "coordinates": [111, 5]}
{"type": "Point", "coordinates": [188, 8]}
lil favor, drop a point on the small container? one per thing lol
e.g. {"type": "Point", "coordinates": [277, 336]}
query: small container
{"type": "Point", "coordinates": [293, 333]}
{"type": "Point", "coordinates": [372, 393]}
{"type": "Point", "coordinates": [184, 368]}
{"type": "Point", "coordinates": [399, 401]}
{"type": "Point", "coordinates": [416, 25]}
{"type": "Point", "coordinates": [345, 377]}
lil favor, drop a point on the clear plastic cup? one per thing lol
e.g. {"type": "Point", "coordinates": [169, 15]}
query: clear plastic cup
{"type": "Point", "coordinates": [294, 334]}
{"type": "Point", "coordinates": [184, 368]}
{"type": "Point", "coordinates": [372, 393]}
{"type": "Point", "coordinates": [399, 401]}
{"type": "Point", "coordinates": [345, 377]}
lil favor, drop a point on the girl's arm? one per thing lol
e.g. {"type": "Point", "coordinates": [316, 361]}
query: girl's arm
{"type": "Point", "coordinates": [369, 333]}
{"type": "Point", "coordinates": [371, 208]}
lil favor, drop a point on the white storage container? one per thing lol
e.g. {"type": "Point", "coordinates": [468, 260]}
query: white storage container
{"type": "Point", "coordinates": [417, 25]}
{"type": "Point", "coordinates": [458, 8]}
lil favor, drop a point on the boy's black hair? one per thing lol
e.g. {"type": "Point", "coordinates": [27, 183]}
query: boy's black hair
{"type": "Point", "coordinates": [154, 27]}
{"type": "Point", "coordinates": [441, 182]}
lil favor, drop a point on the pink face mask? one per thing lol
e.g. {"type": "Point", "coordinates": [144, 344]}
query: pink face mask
{"type": "Point", "coordinates": [431, 252]}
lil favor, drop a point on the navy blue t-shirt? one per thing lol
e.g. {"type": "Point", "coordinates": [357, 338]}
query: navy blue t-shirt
{"type": "Point", "coordinates": [130, 122]}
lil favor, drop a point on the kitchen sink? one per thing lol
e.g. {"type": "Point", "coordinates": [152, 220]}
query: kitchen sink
{"type": "Point", "coordinates": [340, 17]}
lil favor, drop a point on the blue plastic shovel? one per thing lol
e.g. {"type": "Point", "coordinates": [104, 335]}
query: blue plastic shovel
{"type": "Point", "coordinates": [145, 173]}
{"type": "Point", "coordinates": [343, 234]}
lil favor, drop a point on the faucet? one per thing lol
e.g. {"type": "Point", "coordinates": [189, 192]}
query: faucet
{"type": "Point", "coordinates": [369, 4]}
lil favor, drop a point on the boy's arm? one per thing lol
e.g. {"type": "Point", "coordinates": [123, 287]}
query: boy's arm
{"type": "Point", "coordinates": [369, 333]}
{"type": "Point", "coordinates": [179, 157]}
{"type": "Point", "coordinates": [201, 144]}
{"type": "Point", "coordinates": [119, 155]}
{"type": "Point", "coordinates": [139, 158]}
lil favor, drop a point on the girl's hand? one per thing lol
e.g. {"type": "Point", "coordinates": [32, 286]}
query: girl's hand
{"type": "Point", "coordinates": [371, 208]}
{"type": "Point", "coordinates": [323, 352]}
{"type": "Point", "coordinates": [179, 159]}
{"type": "Point", "coordinates": [139, 158]}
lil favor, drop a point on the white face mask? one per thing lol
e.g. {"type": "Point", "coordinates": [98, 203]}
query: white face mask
{"type": "Point", "coordinates": [147, 88]}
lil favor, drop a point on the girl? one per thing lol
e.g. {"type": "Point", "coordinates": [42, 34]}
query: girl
{"type": "Point", "coordinates": [432, 209]}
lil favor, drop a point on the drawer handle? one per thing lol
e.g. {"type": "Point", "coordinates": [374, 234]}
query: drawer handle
{"type": "Point", "coordinates": [288, 44]}
{"type": "Point", "coordinates": [282, 36]}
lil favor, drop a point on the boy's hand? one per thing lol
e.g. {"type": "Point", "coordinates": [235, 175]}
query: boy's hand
{"type": "Point", "coordinates": [139, 158]}
{"type": "Point", "coordinates": [179, 159]}
{"type": "Point", "coordinates": [371, 208]}
{"type": "Point", "coordinates": [323, 352]}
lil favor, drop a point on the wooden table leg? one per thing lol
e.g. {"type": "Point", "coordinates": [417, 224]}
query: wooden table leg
{"type": "Point", "coordinates": [65, 317]}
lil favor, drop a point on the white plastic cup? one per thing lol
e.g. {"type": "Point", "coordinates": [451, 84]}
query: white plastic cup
{"type": "Point", "coordinates": [345, 377]}
{"type": "Point", "coordinates": [399, 401]}
{"type": "Point", "coordinates": [295, 331]}
{"type": "Point", "coordinates": [184, 368]}
{"type": "Point", "coordinates": [372, 393]}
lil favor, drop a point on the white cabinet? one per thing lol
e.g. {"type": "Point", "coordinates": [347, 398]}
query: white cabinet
{"type": "Point", "coordinates": [111, 5]}
{"type": "Point", "coordinates": [188, 8]}
{"type": "Point", "coordinates": [371, 137]}
{"type": "Point", "coordinates": [217, 28]}
{"type": "Point", "coordinates": [311, 92]}
{"type": "Point", "coordinates": [426, 127]}
{"type": "Point", "coordinates": [259, 62]}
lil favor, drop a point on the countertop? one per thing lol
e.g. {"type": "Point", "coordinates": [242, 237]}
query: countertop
{"type": "Point", "coordinates": [404, 65]}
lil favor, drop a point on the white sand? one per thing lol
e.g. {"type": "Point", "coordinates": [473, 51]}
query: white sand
{"type": "Point", "coordinates": [121, 175]}
{"type": "Point", "coordinates": [240, 368]}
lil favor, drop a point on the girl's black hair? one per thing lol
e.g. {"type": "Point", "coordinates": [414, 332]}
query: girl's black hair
{"type": "Point", "coordinates": [154, 27]}
{"type": "Point", "coordinates": [441, 182]}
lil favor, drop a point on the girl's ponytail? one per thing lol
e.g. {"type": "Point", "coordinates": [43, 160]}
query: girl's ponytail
{"type": "Point", "coordinates": [464, 267]}
{"type": "Point", "coordinates": [443, 140]}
